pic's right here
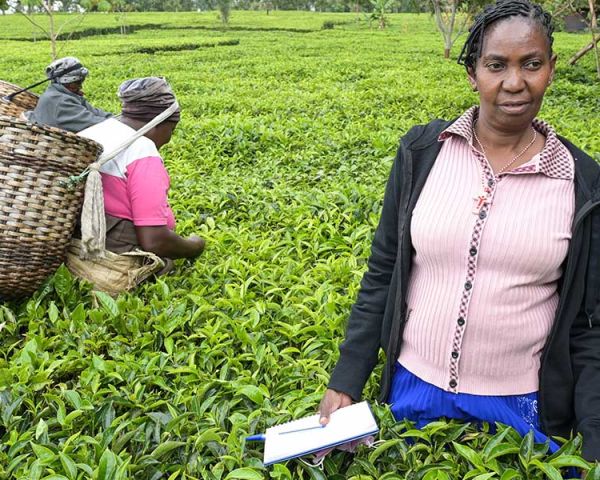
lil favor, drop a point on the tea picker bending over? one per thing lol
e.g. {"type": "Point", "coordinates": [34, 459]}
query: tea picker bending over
{"type": "Point", "coordinates": [483, 282]}
{"type": "Point", "coordinates": [135, 183]}
{"type": "Point", "coordinates": [63, 105]}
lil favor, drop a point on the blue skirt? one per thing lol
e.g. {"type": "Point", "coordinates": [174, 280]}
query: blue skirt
{"type": "Point", "coordinates": [419, 401]}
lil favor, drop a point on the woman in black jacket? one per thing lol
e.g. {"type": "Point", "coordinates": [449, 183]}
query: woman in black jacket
{"type": "Point", "coordinates": [550, 301]}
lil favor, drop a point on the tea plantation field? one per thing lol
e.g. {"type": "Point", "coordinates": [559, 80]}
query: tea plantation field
{"type": "Point", "coordinates": [287, 135]}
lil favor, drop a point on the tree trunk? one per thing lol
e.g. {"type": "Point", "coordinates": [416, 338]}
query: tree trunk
{"type": "Point", "coordinates": [595, 47]}
{"type": "Point", "coordinates": [593, 14]}
{"type": "Point", "coordinates": [593, 27]}
{"type": "Point", "coordinates": [445, 23]}
{"type": "Point", "coordinates": [575, 58]}
{"type": "Point", "coordinates": [52, 31]}
{"type": "Point", "coordinates": [452, 21]}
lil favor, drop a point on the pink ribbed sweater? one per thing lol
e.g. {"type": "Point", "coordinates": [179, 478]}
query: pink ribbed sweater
{"type": "Point", "coordinates": [483, 288]}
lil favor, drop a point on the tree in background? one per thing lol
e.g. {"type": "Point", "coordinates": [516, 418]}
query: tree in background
{"type": "Point", "coordinates": [4, 6]}
{"type": "Point", "coordinates": [51, 31]}
{"type": "Point", "coordinates": [592, 22]}
{"type": "Point", "coordinates": [411, 6]}
{"type": "Point", "coordinates": [164, 5]}
{"type": "Point", "coordinates": [380, 10]}
{"type": "Point", "coordinates": [266, 5]}
{"type": "Point", "coordinates": [595, 38]}
{"type": "Point", "coordinates": [96, 5]}
{"type": "Point", "coordinates": [121, 8]}
{"type": "Point", "coordinates": [452, 18]}
{"type": "Point", "coordinates": [224, 7]}
{"type": "Point", "coordinates": [68, 5]}
{"type": "Point", "coordinates": [588, 11]}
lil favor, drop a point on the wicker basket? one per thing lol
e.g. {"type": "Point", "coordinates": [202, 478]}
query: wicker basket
{"type": "Point", "coordinates": [38, 208]}
{"type": "Point", "coordinates": [23, 101]}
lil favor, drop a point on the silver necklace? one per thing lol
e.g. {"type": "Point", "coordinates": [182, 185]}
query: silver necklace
{"type": "Point", "coordinates": [515, 158]}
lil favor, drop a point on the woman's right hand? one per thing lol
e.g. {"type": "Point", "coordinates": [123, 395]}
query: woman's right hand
{"type": "Point", "coordinates": [166, 243]}
{"type": "Point", "coordinates": [332, 401]}
{"type": "Point", "coordinates": [197, 245]}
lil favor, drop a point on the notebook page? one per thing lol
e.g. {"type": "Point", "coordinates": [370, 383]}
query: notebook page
{"type": "Point", "coordinates": [346, 424]}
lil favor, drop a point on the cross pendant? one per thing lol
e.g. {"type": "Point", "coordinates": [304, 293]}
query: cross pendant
{"type": "Point", "coordinates": [481, 200]}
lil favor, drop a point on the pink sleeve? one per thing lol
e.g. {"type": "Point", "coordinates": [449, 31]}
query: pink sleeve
{"type": "Point", "coordinates": [147, 186]}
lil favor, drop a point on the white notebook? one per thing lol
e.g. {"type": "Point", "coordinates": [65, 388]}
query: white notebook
{"type": "Point", "coordinates": [284, 442]}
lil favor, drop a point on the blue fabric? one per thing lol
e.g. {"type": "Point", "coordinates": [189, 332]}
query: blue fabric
{"type": "Point", "coordinates": [419, 401]}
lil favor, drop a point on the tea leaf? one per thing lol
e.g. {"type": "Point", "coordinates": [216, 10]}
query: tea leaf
{"type": "Point", "coordinates": [165, 448]}
{"type": "Point", "coordinates": [244, 474]}
{"type": "Point", "coordinates": [569, 461]}
{"type": "Point", "coordinates": [485, 476]}
{"type": "Point", "coordinates": [41, 430]}
{"type": "Point", "coordinates": [593, 473]}
{"type": "Point", "coordinates": [44, 455]}
{"type": "Point", "coordinates": [107, 466]}
{"type": "Point", "coordinates": [380, 449]}
{"type": "Point", "coordinates": [511, 474]}
{"type": "Point", "coordinates": [107, 302]}
{"type": "Point", "coordinates": [501, 450]}
{"type": "Point", "coordinates": [526, 449]}
{"type": "Point", "coordinates": [469, 454]}
{"type": "Point", "coordinates": [551, 472]}
{"type": "Point", "coordinates": [253, 393]}
{"type": "Point", "coordinates": [436, 475]}
{"type": "Point", "coordinates": [69, 466]}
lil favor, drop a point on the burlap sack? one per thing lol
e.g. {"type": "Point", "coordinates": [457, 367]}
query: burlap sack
{"type": "Point", "coordinates": [114, 273]}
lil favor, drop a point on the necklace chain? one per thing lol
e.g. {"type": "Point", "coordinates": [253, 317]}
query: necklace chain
{"type": "Point", "coordinates": [515, 158]}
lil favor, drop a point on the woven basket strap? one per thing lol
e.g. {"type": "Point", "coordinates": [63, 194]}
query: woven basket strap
{"type": "Point", "coordinates": [93, 222]}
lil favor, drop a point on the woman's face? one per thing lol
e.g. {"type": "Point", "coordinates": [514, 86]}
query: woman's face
{"type": "Point", "coordinates": [163, 133]}
{"type": "Point", "coordinates": [512, 74]}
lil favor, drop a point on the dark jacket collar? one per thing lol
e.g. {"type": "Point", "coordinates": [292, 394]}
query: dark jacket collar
{"type": "Point", "coordinates": [587, 172]}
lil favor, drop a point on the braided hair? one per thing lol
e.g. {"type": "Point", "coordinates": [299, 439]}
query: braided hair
{"type": "Point", "coordinates": [501, 10]}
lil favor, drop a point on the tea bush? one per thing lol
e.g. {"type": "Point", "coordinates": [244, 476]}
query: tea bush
{"type": "Point", "coordinates": [280, 162]}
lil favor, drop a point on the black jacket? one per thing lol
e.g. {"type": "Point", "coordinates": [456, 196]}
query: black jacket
{"type": "Point", "coordinates": [569, 395]}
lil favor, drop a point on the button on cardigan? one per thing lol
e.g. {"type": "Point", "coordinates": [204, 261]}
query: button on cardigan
{"type": "Point", "coordinates": [488, 253]}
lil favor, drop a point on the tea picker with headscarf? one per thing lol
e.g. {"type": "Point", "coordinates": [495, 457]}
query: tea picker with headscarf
{"type": "Point", "coordinates": [63, 105]}
{"type": "Point", "coordinates": [135, 182]}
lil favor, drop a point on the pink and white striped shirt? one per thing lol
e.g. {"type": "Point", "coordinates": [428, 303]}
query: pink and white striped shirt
{"type": "Point", "coordinates": [483, 289]}
{"type": "Point", "coordinates": [135, 182]}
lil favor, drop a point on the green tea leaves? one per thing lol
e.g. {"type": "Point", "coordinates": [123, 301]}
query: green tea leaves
{"type": "Point", "coordinates": [244, 474]}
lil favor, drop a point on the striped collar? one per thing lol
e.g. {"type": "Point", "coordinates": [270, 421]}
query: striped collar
{"type": "Point", "coordinates": [554, 160]}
